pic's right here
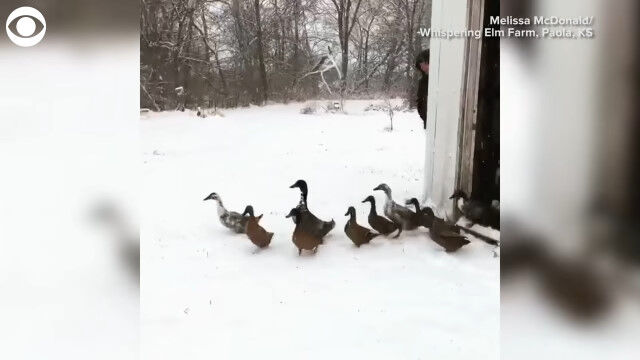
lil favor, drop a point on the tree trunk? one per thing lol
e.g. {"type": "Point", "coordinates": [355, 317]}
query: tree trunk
{"type": "Point", "coordinates": [263, 71]}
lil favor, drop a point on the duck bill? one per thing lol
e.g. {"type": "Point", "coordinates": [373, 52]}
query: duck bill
{"type": "Point", "coordinates": [207, 198]}
{"type": "Point", "coordinates": [377, 188]}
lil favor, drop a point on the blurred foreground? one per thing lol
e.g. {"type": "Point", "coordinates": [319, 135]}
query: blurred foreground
{"type": "Point", "coordinates": [571, 241]}
{"type": "Point", "coordinates": [68, 217]}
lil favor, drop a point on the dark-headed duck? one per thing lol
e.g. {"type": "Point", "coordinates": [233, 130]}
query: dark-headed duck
{"type": "Point", "coordinates": [358, 234]}
{"type": "Point", "coordinates": [302, 238]}
{"type": "Point", "coordinates": [380, 223]}
{"type": "Point", "coordinates": [311, 224]}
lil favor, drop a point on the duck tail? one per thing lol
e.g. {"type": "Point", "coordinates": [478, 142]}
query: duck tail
{"type": "Point", "coordinates": [331, 224]}
{"type": "Point", "coordinates": [327, 227]}
{"type": "Point", "coordinates": [259, 217]}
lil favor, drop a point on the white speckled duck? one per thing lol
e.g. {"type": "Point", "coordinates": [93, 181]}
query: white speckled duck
{"type": "Point", "coordinates": [397, 213]}
{"type": "Point", "coordinates": [309, 222]}
{"type": "Point", "coordinates": [231, 219]}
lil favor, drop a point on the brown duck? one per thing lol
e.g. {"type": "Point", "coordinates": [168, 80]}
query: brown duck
{"type": "Point", "coordinates": [442, 233]}
{"type": "Point", "coordinates": [358, 234]}
{"type": "Point", "coordinates": [377, 222]}
{"type": "Point", "coordinates": [256, 233]}
{"type": "Point", "coordinates": [302, 238]}
{"type": "Point", "coordinates": [445, 234]}
{"type": "Point", "coordinates": [424, 217]}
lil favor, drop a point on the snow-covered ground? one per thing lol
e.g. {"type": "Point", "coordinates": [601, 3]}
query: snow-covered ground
{"type": "Point", "coordinates": [208, 294]}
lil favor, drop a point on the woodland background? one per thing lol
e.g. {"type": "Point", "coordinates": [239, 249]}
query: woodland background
{"type": "Point", "coordinates": [230, 53]}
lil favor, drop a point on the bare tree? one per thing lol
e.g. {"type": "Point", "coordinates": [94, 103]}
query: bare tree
{"type": "Point", "coordinates": [346, 17]}
{"type": "Point", "coordinates": [234, 52]}
{"type": "Point", "coordinates": [263, 71]}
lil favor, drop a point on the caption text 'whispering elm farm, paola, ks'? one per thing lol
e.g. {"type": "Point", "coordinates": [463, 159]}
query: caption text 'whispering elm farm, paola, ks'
{"type": "Point", "coordinates": [541, 27]}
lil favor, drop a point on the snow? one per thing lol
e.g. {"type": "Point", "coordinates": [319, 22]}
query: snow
{"type": "Point", "coordinates": [208, 293]}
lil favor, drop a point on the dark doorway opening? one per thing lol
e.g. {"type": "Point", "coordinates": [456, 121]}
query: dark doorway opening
{"type": "Point", "coordinates": [486, 163]}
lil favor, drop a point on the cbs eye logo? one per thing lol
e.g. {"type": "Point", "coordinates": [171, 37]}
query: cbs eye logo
{"type": "Point", "coordinates": [26, 26]}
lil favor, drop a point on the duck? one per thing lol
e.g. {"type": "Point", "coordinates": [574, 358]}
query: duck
{"type": "Point", "coordinates": [308, 221]}
{"type": "Point", "coordinates": [446, 235]}
{"type": "Point", "coordinates": [256, 233]}
{"type": "Point", "coordinates": [302, 238]}
{"type": "Point", "coordinates": [426, 217]}
{"type": "Point", "coordinates": [477, 211]}
{"type": "Point", "coordinates": [397, 213]}
{"type": "Point", "coordinates": [442, 233]}
{"type": "Point", "coordinates": [358, 234]}
{"type": "Point", "coordinates": [230, 219]}
{"type": "Point", "coordinates": [380, 223]}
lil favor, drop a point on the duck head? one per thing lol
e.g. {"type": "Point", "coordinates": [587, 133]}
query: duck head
{"type": "Point", "coordinates": [429, 214]}
{"type": "Point", "coordinates": [248, 211]}
{"type": "Point", "coordinates": [294, 214]}
{"type": "Point", "coordinates": [351, 212]}
{"type": "Point", "coordinates": [459, 194]}
{"type": "Point", "coordinates": [385, 188]}
{"type": "Point", "coordinates": [212, 196]}
{"type": "Point", "coordinates": [370, 199]}
{"type": "Point", "coordinates": [428, 211]}
{"type": "Point", "coordinates": [300, 184]}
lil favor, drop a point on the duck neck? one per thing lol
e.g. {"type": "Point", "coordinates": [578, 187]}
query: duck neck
{"type": "Point", "coordinates": [417, 206]}
{"type": "Point", "coordinates": [221, 208]}
{"type": "Point", "coordinates": [388, 193]}
{"type": "Point", "coordinates": [352, 217]}
{"type": "Point", "coordinates": [373, 211]}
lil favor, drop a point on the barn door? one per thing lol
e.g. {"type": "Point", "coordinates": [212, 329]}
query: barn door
{"type": "Point", "coordinates": [471, 79]}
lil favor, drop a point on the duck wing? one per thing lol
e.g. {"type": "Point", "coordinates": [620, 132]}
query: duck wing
{"type": "Point", "coordinates": [451, 234]}
{"type": "Point", "coordinates": [257, 234]}
{"type": "Point", "coordinates": [234, 221]}
{"type": "Point", "coordinates": [381, 224]}
{"type": "Point", "coordinates": [396, 212]}
{"type": "Point", "coordinates": [314, 226]}
{"type": "Point", "coordinates": [359, 234]}
{"type": "Point", "coordinates": [403, 216]}
{"type": "Point", "coordinates": [450, 244]}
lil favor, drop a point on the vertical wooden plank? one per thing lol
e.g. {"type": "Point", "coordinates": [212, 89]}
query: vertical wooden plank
{"type": "Point", "coordinates": [469, 109]}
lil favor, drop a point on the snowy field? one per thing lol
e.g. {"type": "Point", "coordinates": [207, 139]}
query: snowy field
{"type": "Point", "coordinates": [208, 294]}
